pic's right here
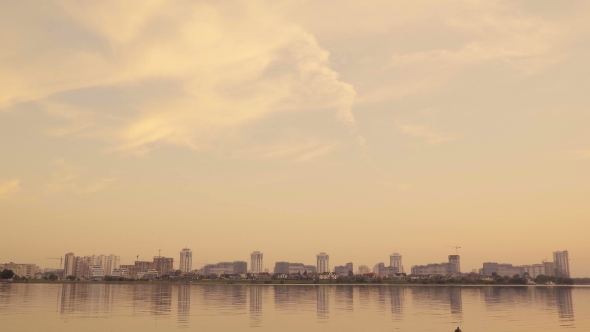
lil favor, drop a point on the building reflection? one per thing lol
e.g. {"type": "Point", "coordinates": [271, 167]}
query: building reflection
{"type": "Point", "coordinates": [256, 305]}
{"type": "Point", "coordinates": [93, 300]}
{"type": "Point", "coordinates": [344, 296]}
{"type": "Point", "coordinates": [184, 305]}
{"type": "Point", "coordinates": [397, 302]}
{"type": "Point", "coordinates": [294, 298]}
{"type": "Point", "coordinates": [456, 300]}
{"type": "Point", "coordinates": [323, 302]}
{"type": "Point", "coordinates": [161, 299]}
{"type": "Point", "coordinates": [440, 297]}
{"type": "Point", "coordinates": [565, 305]}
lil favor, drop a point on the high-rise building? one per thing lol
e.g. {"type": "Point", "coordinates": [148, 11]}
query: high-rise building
{"type": "Point", "coordinates": [562, 263]}
{"type": "Point", "coordinates": [164, 265]}
{"type": "Point", "coordinates": [69, 264]}
{"type": "Point", "coordinates": [323, 262]}
{"type": "Point", "coordinates": [395, 260]}
{"type": "Point", "coordinates": [186, 260]}
{"type": "Point", "coordinates": [256, 262]}
{"type": "Point", "coordinates": [454, 264]}
{"type": "Point", "coordinates": [549, 269]}
{"type": "Point", "coordinates": [377, 268]}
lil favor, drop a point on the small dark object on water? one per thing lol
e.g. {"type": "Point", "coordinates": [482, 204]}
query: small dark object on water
{"type": "Point", "coordinates": [458, 329]}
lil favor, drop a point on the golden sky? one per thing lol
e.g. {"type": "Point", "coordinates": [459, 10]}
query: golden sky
{"type": "Point", "coordinates": [358, 128]}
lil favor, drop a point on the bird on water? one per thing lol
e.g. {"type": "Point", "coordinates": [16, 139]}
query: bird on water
{"type": "Point", "coordinates": [458, 329]}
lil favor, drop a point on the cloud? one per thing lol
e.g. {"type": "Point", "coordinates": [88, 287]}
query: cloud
{"type": "Point", "coordinates": [294, 151]}
{"type": "Point", "coordinates": [397, 186]}
{"type": "Point", "coordinates": [580, 154]}
{"type": "Point", "coordinates": [191, 73]}
{"type": "Point", "coordinates": [8, 189]}
{"type": "Point", "coordinates": [432, 137]}
{"type": "Point", "coordinates": [66, 178]}
{"type": "Point", "coordinates": [497, 32]}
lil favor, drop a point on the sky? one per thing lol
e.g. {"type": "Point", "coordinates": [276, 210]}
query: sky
{"type": "Point", "coordinates": [358, 128]}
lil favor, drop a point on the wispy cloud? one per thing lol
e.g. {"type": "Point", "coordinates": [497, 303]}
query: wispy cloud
{"type": "Point", "coordinates": [432, 137]}
{"type": "Point", "coordinates": [229, 67]}
{"type": "Point", "coordinates": [66, 178]}
{"type": "Point", "coordinates": [397, 186]}
{"type": "Point", "coordinates": [580, 154]}
{"type": "Point", "coordinates": [295, 152]}
{"type": "Point", "coordinates": [8, 189]}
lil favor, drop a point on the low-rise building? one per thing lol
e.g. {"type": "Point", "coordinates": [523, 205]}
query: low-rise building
{"type": "Point", "coordinates": [344, 270]}
{"type": "Point", "coordinates": [328, 276]}
{"type": "Point", "coordinates": [218, 269]}
{"type": "Point", "coordinates": [95, 272]}
{"type": "Point", "coordinates": [21, 270]}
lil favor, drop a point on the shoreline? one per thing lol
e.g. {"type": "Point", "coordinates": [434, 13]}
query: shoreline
{"type": "Point", "coordinates": [242, 283]}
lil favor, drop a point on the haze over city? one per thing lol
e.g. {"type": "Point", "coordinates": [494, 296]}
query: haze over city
{"type": "Point", "coordinates": [294, 128]}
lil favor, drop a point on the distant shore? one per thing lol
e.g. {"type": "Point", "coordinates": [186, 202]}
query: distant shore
{"type": "Point", "coordinates": [272, 283]}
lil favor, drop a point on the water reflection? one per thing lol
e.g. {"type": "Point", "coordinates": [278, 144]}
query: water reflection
{"type": "Point", "coordinates": [344, 298]}
{"type": "Point", "coordinates": [256, 305]}
{"type": "Point", "coordinates": [184, 305]}
{"type": "Point", "coordinates": [148, 307]}
{"type": "Point", "coordinates": [438, 298]}
{"type": "Point", "coordinates": [88, 300]}
{"type": "Point", "coordinates": [565, 305]}
{"type": "Point", "coordinates": [323, 302]}
{"type": "Point", "coordinates": [397, 302]}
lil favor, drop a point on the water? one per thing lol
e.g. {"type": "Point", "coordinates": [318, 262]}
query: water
{"type": "Point", "coordinates": [216, 307]}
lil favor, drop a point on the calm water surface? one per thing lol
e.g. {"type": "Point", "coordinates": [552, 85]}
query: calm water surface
{"type": "Point", "coordinates": [168, 307]}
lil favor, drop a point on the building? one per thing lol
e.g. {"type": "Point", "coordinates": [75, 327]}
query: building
{"type": "Point", "coordinates": [131, 268]}
{"type": "Point", "coordinates": [534, 270]}
{"type": "Point", "coordinates": [237, 267]}
{"type": "Point", "coordinates": [364, 269]}
{"type": "Point", "coordinates": [562, 263]}
{"type": "Point", "coordinates": [143, 266]}
{"type": "Point", "coordinates": [452, 267]}
{"type": "Point", "coordinates": [107, 263]}
{"type": "Point", "coordinates": [490, 268]}
{"type": "Point", "coordinates": [289, 268]}
{"type": "Point", "coordinates": [95, 272]}
{"type": "Point", "coordinates": [344, 270]}
{"type": "Point", "coordinates": [385, 271]}
{"type": "Point", "coordinates": [121, 272]}
{"type": "Point", "coordinates": [256, 262]}
{"type": "Point", "coordinates": [323, 262]}
{"type": "Point", "coordinates": [69, 264]}
{"type": "Point", "coordinates": [240, 267]}
{"type": "Point", "coordinates": [78, 266]}
{"type": "Point", "coordinates": [164, 265]}
{"type": "Point", "coordinates": [378, 267]}
{"type": "Point", "coordinates": [21, 270]}
{"type": "Point", "coordinates": [395, 260]}
{"type": "Point", "coordinates": [549, 269]}
{"type": "Point", "coordinates": [454, 264]}
{"type": "Point", "coordinates": [186, 260]}
{"type": "Point", "coordinates": [282, 267]}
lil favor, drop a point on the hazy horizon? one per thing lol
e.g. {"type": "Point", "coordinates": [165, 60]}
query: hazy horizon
{"type": "Point", "coordinates": [294, 127]}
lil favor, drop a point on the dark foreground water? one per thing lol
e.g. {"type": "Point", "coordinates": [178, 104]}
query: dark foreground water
{"type": "Point", "coordinates": [168, 307]}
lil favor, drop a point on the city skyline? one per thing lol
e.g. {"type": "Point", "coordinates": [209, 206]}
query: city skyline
{"type": "Point", "coordinates": [166, 265]}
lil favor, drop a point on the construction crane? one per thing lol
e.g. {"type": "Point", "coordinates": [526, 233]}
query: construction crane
{"type": "Point", "coordinates": [456, 248]}
{"type": "Point", "coordinates": [61, 260]}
